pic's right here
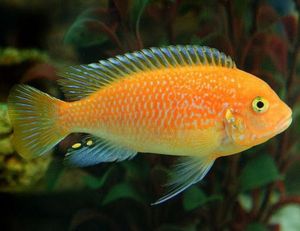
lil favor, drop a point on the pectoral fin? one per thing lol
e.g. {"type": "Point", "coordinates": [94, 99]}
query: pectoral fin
{"type": "Point", "coordinates": [187, 172]}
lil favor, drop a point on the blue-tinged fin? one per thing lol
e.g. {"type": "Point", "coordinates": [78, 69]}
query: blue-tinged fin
{"type": "Point", "coordinates": [94, 150]}
{"type": "Point", "coordinates": [187, 172]}
{"type": "Point", "coordinates": [81, 81]}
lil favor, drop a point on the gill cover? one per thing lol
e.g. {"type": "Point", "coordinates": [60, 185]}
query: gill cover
{"type": "Point", "coordinates": [235, 127]}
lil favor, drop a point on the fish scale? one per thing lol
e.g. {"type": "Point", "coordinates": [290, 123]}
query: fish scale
{"type": "Point", "coordinates": [123, 109]}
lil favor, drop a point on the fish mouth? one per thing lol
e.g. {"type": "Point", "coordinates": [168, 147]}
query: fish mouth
{"type": "Point", "coordinates": [284, 124]}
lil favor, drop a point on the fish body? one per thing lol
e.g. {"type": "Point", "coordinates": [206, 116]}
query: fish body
{"type": "Point", "coordinates": [186, 101]}
{"type": "Point", "coordinates": [162, 111]}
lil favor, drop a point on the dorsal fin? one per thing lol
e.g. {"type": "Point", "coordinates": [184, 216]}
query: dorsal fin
{"type": "Point", "coordinates": [80, 81]}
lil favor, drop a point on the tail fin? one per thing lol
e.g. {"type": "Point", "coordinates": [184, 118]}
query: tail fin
{"type": "Point", "coordinates": [34, 116]}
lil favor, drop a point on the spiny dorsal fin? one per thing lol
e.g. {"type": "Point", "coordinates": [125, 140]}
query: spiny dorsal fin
{"type": "Point", "coordinates": [80, 81]}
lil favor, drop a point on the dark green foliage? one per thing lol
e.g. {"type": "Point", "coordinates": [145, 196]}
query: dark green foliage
{"type": "Point", "coordinates": [136, 11]}
{"type": "Point", "coordinates": [54, 171]}
{"type": "Point", "coordinates": [194, 197]}
{"type": "Point", "coordinates": [256, 227]}
{"type": "Point", "coordinates": [95, 182]}
{"type": "Point", "coordinates": [80, 33]}
{"type": "Point", "coordinates": [292, 185]}
{"type": "Point", "coordinates": [120, 191]}
{"type": "Point", "coordinates": [258, 172]}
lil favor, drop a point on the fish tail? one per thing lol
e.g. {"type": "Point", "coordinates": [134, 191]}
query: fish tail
{"type": "Point", "coordinates": [35, 119]}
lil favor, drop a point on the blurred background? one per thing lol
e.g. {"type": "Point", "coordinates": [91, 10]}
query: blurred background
{"type": "Point", "coordinates": [257, 190]}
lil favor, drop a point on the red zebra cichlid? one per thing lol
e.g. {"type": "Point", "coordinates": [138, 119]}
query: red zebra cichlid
{"type": "Point", "coordinates": [188, 101]}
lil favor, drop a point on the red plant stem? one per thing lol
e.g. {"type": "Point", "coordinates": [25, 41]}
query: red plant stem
{"type": "Point", "coordinates": [266, 201]}
{"type": "Point", "coordinates": [256, 202]}
{"type": "Point", "coordinates": [230, 184]}
{"type": "Point", "coordinates": [230, 22]}
{"type": "Point", "coordinates": [289, 82]}
{"type": "Point", "coordinates": [171, 11]}
{"type": "Point", "coordinates": [246, 51]}
{"type": "Point", "coordinates": [280, 157]}
{"type": "Point", "coordinates": [295, 158]}
{"type": "Point", "coordinates": [139, 39]}
{"type": "Point", "coordinates": [292, 68]}
{"type": "Point", "coordinates": [111, 34]}
{"type": "Point", "coordinates": [253, 32]}
{"type": "Point", "coordinates": [138, 36]}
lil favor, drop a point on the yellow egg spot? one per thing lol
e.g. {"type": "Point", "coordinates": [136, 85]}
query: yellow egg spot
{"type": "Point", "coordinates": [77, 145]}
{"type": "Point", "coordinates": [89, 142]}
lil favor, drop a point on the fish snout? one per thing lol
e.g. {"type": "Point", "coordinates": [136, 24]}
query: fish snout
{"type": "Point", "coordinates": [286, 119]}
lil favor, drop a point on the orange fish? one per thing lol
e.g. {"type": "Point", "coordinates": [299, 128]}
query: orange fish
{"type": "Point", "coordinates": [188, 101]}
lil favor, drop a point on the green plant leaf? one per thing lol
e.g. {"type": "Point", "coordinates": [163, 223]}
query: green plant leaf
{"type": "Point", "coordinates": [137, 9]}
{"type": "Point", "coordinates": [288, 218]}
{"type": "Point", "coordinates": [95, 182]}
{"type": "Point", "coordinates": [136, 169]}
{"type": "Point", "coordinates": [256, 227]}
{"type": "Point", "coordinates": [195, 197]}
{"type": "Point", "coordinates": [53, 173]}
{"type": "Point", "coordinates": [89, 29]}
{"type": "Point", "coordinates": [5, 126]}
{"type": "Point", "coordinates": [245, 201]}
{"type": "Point", "coordinates": [120, 191]}
{"type": "Point", "coordinates": [6, 146]}
{"type": "Point", "coordinates": [136, 12]}
{"type": "Point", "coordinates": [86, 32]}
{"type": "Point", "coordinates": [258, 172]}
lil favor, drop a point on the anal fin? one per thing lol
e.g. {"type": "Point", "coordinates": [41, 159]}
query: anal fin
{"type": "Point", "coordinates": [93, 150]}
{"type": "Point", "coordinates": [188, 171]}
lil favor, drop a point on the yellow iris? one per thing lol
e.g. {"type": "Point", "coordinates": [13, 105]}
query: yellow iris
{"type": "Point", "coordinates": [260, 105]}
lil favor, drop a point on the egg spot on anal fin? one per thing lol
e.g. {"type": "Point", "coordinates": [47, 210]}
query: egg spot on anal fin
{"type": "Point", "coordinates": [89, 143]}
{"type": "Point", "coordinates": [76, 145]}
{"type": "Point", "coordinates": [94, 150]}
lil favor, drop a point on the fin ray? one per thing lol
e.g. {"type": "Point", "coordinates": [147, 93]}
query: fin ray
{"type": "Point", "coordinates": [187, 172]}
{"type": "Point", "coordinates": [99, 151]}
{"type": "Point", "coordinates": [81, 81]}
{"type": "Point", "coordinates": [34, 118]}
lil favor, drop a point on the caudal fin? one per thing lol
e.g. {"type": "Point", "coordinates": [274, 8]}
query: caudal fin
{"type": "Point", "coordinates": [34, 116]}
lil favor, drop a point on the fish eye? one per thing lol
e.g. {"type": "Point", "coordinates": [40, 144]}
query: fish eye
{"type": "Point", "coordinates": [260, 105]}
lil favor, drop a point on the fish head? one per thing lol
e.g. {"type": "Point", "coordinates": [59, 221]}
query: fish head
{"type": "Point", "coordinates": [259, 116]}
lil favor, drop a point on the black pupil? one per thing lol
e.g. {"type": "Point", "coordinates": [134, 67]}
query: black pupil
{"type": "Point", "coordinates": [260, 104]}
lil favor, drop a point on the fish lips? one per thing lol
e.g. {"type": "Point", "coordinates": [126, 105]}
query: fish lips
{"type": "Point", "coordinates": [284, 124]}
